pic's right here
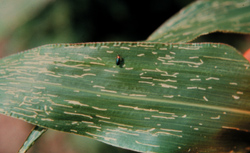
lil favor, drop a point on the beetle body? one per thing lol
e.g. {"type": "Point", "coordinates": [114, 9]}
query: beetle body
{"type": "Point", "coordinates": [118, 60]}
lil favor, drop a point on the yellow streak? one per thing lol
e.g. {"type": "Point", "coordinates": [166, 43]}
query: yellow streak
{"type": "Point", "coordinates": [116, 123]}
{"type": "Point", "coordinates": [105, 138]}
{"type": "Point", "coordinates": [70, 113]}
{"type": "Point", "coordinates": [145, 144]}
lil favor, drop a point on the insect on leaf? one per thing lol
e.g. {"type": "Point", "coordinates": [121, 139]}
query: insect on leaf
{"type": "Point", "coordinates": [164, 98]}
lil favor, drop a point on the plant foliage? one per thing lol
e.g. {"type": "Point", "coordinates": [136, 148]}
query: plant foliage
{"type": "Point", "coordinates": [161, 97]}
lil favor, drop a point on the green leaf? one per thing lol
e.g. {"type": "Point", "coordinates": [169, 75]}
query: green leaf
{"type": "Point", "coordinates": [35, 134]}
{"type": "Point", "coordinates": [161, 98]}
{"type": "Point", "coordinates": [203, 17]}
{"type": "Point", "coordinates": [15, 14]}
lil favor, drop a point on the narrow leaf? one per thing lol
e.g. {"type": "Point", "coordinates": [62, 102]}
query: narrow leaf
{"type": "Point", "coordinates": [160, 98]}
{"type": "Point", "coordinates": [15, 14]}
{"type": "Point", "coordinates": [203, 17]}
{"type": "Point", "coordinates": [36, 132]}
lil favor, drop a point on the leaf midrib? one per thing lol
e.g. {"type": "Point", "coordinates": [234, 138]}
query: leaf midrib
{"type": "Point", "coordinates": [174, 102]}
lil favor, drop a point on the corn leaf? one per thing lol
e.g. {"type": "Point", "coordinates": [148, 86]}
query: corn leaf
{"type": "Point", "coordinates": [203, 17]}
{"type": "Point", "coordinates": [34, 135]}
{"type": "Point", "coordinates": [160, 98]}
{"type": "Point", "coordinates": [15, 14]}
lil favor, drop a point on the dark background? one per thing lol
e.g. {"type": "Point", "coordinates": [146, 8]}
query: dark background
{"type": "Point", "coordinates": [74, 21]}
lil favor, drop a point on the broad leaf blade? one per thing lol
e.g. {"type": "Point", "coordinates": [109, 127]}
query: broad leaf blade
{"type": "Point", "coordinates": [164, 98]}
{"type": "Point", "coordinates": [203, 17]}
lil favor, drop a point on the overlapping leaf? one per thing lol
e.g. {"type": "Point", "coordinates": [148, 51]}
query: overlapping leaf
{"type": "Point", "coordinates": [162, 98]}
{"type": "Point", "coordinates": [33, 136]}
{"type": "Point", "coordinates": [203, 17]}
{"type": "Point", "coordinates": [14, 14]}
